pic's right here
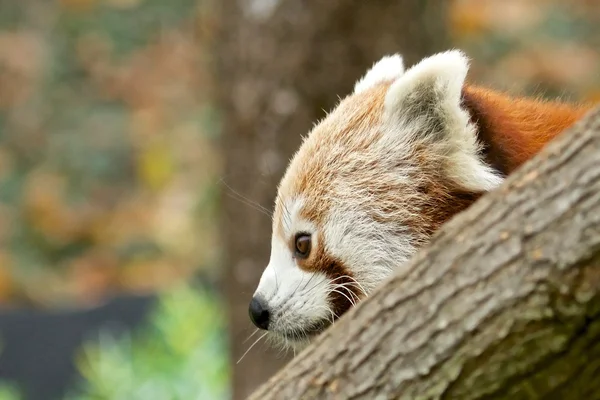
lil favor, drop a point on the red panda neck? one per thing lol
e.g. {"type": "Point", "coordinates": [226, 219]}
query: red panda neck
{"type": "Point", "coordinates": [514, 129]}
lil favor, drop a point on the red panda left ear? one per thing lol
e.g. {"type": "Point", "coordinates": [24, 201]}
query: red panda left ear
{"type": "Point", "coordinates": [424, 106]}
{"type": "Point", "coordinates": [386, 69]}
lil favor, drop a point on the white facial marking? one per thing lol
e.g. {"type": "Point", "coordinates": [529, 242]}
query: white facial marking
{"type": "Point", "coordinates": [296, 299]}
{"type": "Point", "coordinates": [292, 221]}
{"type": "Point", "coordinates": [369, 249]}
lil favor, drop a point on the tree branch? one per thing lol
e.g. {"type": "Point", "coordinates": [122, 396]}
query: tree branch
{"type": "Point", "coordinates": [503, 303]}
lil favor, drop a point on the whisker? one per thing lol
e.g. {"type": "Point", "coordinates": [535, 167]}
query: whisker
{"type": "Point", "coordinates": [250, 204]}
{"type": "Point", "coordinates": [307, 282]}
{"type": "Point", "coordinates": [299, 283]}
{"type": "Point", "coordinates": [331, 287]}
{"type": "Point", "coordinates": [287, 216]}
{"type": "Point", "coordinates": [352, 282]}
{"type": "Point", "coordinates": [342, 277]}
{"type": "Point", "coordinates": [345, 286]}
{"type": "Point", "coordinates": [291, 296]}
{"type": "Point", "coordinates": [313, 287]}
{"type": "Point", "coordinates": [250, 348]}
{"type": "Point", "coordinates": [236, 195]}
{"type": "Point", "coordinates": [344, 294]}
{"type": "Point", "coordinates": [250, 337]}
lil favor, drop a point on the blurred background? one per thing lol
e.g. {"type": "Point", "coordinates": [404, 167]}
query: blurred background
{"type": "Point", "coordinates": [140, 145]}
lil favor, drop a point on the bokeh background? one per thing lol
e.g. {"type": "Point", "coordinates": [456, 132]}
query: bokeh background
{"type": "Point", "coordinates": [140, 144]}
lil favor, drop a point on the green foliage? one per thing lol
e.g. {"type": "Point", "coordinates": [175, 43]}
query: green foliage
{"type": "Point", "coordinates": [9, 392]}
{"type": "Point", "coordinates": [180, 356]}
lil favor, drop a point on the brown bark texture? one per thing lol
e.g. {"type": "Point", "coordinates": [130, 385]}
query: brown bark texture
{"type": "Point", "coordinates": [503, 304]}
{"type": "Point", "coordinates": [279, 65]}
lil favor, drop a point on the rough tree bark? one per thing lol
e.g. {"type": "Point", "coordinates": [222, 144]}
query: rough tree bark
{"type": "Point", "coordinates": [503, 303]}
{"type": "Point", "coordinates": [279, 65]}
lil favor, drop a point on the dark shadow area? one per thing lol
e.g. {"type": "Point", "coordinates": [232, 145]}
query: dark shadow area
{"type": "Point", "coordinates": [38, 347]}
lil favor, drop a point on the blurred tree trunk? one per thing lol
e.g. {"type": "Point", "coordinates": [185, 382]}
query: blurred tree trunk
{"type": "Point", "coordinates": [279, 65]}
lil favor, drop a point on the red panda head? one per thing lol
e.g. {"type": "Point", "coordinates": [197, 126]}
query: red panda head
{"type": "Point", "coordinates": [369, 185]}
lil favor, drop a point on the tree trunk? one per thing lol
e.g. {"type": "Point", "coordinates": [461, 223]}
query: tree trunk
{"type": "Point", "coordinates": [503, 303]}
{"type": "Point", "coordinates": [279, 65]}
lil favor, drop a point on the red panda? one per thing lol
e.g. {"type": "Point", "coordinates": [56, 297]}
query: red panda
{"type": "Point", "coordinates": [377, 177]}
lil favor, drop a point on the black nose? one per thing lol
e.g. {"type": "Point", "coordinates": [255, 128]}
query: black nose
{"type": "Point", "coordinates": [259, 314]}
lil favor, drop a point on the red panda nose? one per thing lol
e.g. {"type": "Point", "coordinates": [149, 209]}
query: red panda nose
{"type": "Point", "coordinates": [259, 313]}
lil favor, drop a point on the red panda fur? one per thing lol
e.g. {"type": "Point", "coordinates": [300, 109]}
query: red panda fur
{"type": "Point", "coordinates": [513, 130]}
{"type": "Point", "coordinates": [377, 177]}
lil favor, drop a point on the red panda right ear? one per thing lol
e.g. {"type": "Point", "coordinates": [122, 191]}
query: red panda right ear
{"type": "Point", "coordinates": [387, 69]}
{"type": "Point", "coordinates": [425, 106]}
{"type": "Point", "coordinates": [431, 88]}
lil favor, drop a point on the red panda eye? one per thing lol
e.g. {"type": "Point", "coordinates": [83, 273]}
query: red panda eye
{"type": "Point", "coordinates": [303, 245]}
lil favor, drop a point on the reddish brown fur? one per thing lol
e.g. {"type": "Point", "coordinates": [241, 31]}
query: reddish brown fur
{"type": "Point", "coordinates": [515, 129]}
{"type": "Point", "coordinates": [362, 109]}
{"type": "Point", "coordinates": [512, 130]}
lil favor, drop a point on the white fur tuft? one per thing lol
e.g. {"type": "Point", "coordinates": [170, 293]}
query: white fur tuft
{"type": "Point", "coordinates": [386, 69]}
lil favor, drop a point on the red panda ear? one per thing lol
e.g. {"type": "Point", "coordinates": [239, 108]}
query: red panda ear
{"type": "Point", "coordinates": [431, 88]}
{"type": "Point", "coordinates": [424, 106]}
{"type": "Point", "coordinates": [387, 69]}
